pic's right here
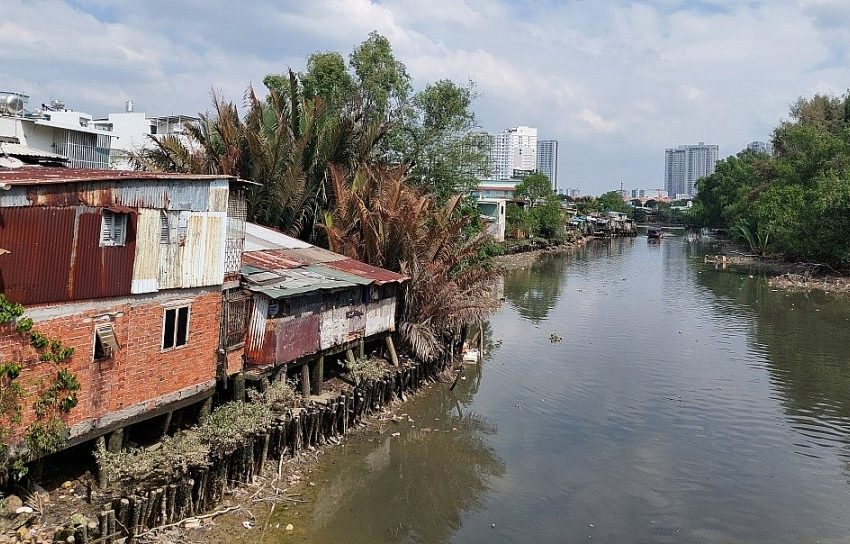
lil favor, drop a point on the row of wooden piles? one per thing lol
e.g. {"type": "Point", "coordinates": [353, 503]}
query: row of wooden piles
{"type": "Point", "coordinates": [290, 434]}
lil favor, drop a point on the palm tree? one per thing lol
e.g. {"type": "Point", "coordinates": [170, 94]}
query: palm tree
{"type": "Point", "coordinates": [379, 218]}
{"type": "Point", "coordinates": [285, 143]}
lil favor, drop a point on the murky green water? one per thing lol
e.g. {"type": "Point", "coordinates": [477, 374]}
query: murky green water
{"type": "Point", "coordinates": [682, 405]}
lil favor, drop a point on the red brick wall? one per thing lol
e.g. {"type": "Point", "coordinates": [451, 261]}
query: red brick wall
{"type": "Point", "coordinates": [140, 371]}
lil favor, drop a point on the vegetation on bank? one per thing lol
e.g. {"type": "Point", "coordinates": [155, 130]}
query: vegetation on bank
{"type": "Point", "coordinates": [795, 202]}
{"type": "Point", "coordinates": [348, 156]}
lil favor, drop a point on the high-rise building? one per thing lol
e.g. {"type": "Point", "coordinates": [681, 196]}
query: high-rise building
{"type": "Point", "coordinates": [513, 149]}
{"type": "Point", "coordinates": [761, 147]}
{"type": "Point", "coordinates": [686, 164]}
{"type": "Point", "coordinates": [547, 160]}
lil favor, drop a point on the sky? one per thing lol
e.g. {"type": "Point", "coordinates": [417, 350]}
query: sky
{"type": "Point", "coordinates": [614, 81]}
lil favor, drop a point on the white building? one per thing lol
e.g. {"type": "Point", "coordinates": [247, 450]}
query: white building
{"type": "Point", "coordinates": [513, 149]}
{"type": "Point", "coordinates": [53, 130]}
{"type": "Point", "coordinates": [547, 160]}
{"type": "Point", "coordinates": [686, 164]}
{"type": "Point", "coordinates": [133, 130]}
{"type": "Point", "coordinates": [761, 147]}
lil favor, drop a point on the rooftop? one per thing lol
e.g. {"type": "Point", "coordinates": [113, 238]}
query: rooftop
{"type": "Point", "coordinates": [280, 266]}
{"type": "Point", "coordinates": [52, 176]}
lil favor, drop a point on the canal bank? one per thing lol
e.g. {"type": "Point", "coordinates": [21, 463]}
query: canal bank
{"type": "Point", "coordinates": [682, 404]}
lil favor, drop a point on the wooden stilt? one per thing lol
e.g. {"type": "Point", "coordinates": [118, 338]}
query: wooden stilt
{"type": "Point", "coordinates": [391, 348]}
{"type": "Point", "coordinates": [305, 379]}
{"type": "Point", "coordinates": [317, 377]}
{"type": "Point", "coordinates": [100, 443]}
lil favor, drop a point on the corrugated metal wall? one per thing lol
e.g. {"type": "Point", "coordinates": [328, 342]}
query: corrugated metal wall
{"type": "Point", "coordinates": [53, 234]}
{"type": "Point", "coordinates": [55, 255]}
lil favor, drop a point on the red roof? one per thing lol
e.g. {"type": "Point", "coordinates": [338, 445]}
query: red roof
{"type": "Point", "coordinates": [378, 275]}
{"type": "Point", "coordinates": [48, 176]}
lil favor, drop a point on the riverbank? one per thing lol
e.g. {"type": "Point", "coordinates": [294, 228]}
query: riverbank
{"type": "Point", "coordinates": [792, 276]}
{"type": "Point", "coordinates": [185, 480]}
{"type": "Point", "coordinates": [523, 259]}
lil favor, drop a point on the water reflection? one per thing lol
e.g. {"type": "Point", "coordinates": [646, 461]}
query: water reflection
{"type": "Point", "coordinates": [415, 487]}
{"type": "Point", "coordinates": [804, 339]}
{"type": "Point", "coordinates": [534, 290]}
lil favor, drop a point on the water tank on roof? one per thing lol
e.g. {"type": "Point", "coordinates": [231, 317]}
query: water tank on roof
{"type": "Point", "coordinates": [11, 103]}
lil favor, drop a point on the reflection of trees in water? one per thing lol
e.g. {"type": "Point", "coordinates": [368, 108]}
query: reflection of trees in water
{"type": "Point", "coordinates": [806, 350]}
{"type": "Point", "coordinates": [416, 487]}
{"type": "Point", "coordinates": [534, 290]}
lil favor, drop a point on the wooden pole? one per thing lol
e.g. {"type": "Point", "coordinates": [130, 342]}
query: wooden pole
{"type": "Point", "coordinates": [317, 377]}
{"type": "Point", "coordinates": [391, 348]}
{"type": "Point", "coordinates": [305, 380]}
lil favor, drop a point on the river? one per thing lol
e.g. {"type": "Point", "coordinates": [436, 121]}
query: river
{"type": "Point", "coordinates": [681, 404]}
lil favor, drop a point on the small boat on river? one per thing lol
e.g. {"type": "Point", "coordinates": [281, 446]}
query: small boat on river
{"type": "Point", "coordinates": [654, 233]}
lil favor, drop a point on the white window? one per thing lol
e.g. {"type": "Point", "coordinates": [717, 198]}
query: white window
{"type": "Point", "coordinates": [175, 327]}
{"type": "Point", "coordinates": [113, 229]}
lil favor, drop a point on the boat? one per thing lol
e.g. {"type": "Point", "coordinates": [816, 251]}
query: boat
{"type": "Point", "coordinates": [654, 233]}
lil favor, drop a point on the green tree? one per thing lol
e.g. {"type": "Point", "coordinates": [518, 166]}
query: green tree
{"type": "Point", "coordinates": [534, 188]}
{"type": "Point", "coordinates": [383, 80]}
{"type": "Point", "coordinates": [612, 201]}
{"type": "Point", "coordinates": [548, 218]}
{"type": "Point", "coordinates": [327, 78]}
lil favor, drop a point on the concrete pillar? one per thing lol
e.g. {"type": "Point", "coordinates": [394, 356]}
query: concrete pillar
{"type": "Point", "coordinates": [239, 387]}
{"type": "Point", "coordinates": [362, 347]}
{"type": "Point", "coordinates": [100, 443]}
{"type": "Point", "coordinates": [115, 441]}
{"type": "Point", "coordinates": [206, 408]}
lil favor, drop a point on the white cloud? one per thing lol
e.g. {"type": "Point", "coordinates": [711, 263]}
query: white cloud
{"type": "Point", "coordinates": [637, 76]}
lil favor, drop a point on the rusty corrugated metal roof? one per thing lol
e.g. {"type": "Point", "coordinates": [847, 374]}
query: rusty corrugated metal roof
{"type": "Point", "coordinates": [270, 259]}
{"type": "Point", "coordinates": [357, 268]}
{"type": "Point", "coordinates": [51, 176]}
{"type": "Point", "coordinates": [286, 266]}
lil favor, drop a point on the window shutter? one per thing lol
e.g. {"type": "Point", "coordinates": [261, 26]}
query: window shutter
{"type": "Point", "coordinates": [119, 228]}
{"type": "Point", "coordinates": [164, 228]}
{"type": "Point", "coordinates": [106, 228]}
{"type": "Point", "coordinates": [106, 333]}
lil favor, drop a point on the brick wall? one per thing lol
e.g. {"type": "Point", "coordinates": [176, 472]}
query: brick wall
{"type": "Point", "coordinates": [140, 371]}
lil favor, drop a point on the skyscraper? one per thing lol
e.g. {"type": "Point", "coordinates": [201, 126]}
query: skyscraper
{"type": "Point", "coordinates": [684, 165]}
{"type": "Point", "coordinates": [547, 160]}
{"type": "Point", "coordinates": [513, 149]}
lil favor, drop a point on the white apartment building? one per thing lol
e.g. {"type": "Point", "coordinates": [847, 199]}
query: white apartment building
{"type": "Point", "coordinates": [52, 131]}
{"type": "Point", "coordinates": [133, 130]}
{"type": "Point", "coordinates": [547, 160]}
{"type": "Point", "coordinates": [761, 147]}
{"type": "Point", "coordinates": [686, 164]}
{"type": "Point", "coordinates": [513, 149]}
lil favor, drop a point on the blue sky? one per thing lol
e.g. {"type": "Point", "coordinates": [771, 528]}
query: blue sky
{"type": "Point", "coordinates": [614, 81]}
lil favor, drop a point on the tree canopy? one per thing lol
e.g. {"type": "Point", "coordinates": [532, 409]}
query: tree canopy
{"type": "Point", "coordinates": [796, 201]}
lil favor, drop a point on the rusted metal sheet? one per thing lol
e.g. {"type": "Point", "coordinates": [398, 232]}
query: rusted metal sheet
{"type": "Point", "coordinates": [343, 320]}
{"type": "Point", "coordinates": [39, 242]}
{"type": "Point", "coordinates": [312, 255]}
{"type": "Point", "coordinates": [48, 176]}
{"type": "Point", "coordinates": [296, 337]}
{"type": "Point", "coordinates": [256, 334]}
{"type": "Point", "coordinates": [146, 262]}
{"type": "Point", "coordinates": [378, 275]}
{"type": "Point", "coordinates": [380, 316]}
{"type": "Point", "coordinates": [97, 271]}
{"type": "Point", "coordinates": [270, 259]}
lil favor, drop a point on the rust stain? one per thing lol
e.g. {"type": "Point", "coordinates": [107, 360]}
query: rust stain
{"type": "Point", "coordinates": [357, 268]}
